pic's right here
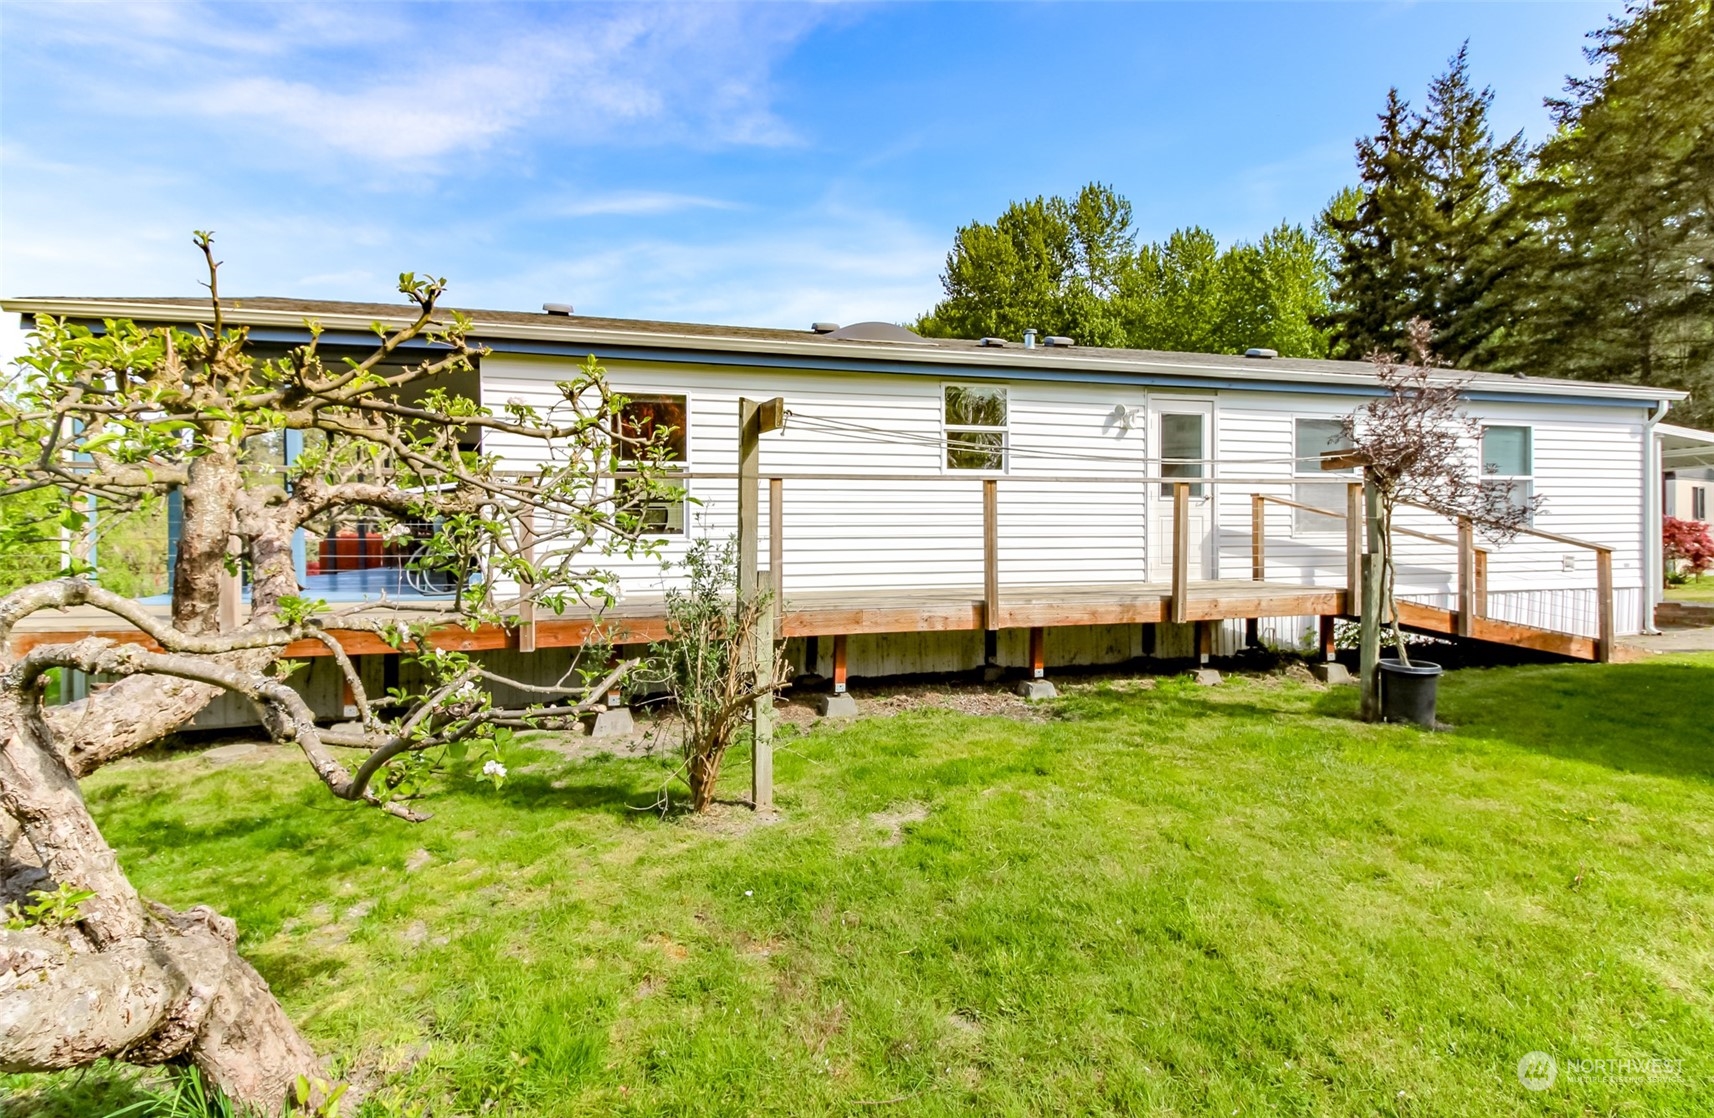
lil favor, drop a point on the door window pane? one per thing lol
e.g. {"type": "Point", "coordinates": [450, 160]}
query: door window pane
{"type": "Point", "coordinates": [1181, 450]}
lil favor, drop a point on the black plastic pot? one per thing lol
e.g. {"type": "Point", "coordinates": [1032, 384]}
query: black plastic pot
{"type": "Point", "coordinates": [1408, 691]}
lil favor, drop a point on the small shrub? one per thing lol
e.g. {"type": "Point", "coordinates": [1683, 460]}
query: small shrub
{"type": "Point", "coordinates": [705, 662]}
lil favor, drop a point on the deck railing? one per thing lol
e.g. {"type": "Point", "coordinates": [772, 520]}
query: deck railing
{"type": "Point", "coordinates": [1469, 575]}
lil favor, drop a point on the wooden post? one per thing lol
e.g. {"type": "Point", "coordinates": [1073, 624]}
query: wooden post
{"type": "Point", "coordinates": [1369, 643]}
{"type": "Point", "coordinates": [526, 631]}
{"type": "Point", "coordinates": [839, 664]}
{"type": "Point", "coordinates": [1354, 548]}
{"type": "Point", "coordinates": [753, 419]}
{"type": "Point", "coordinates": [1204, 633]}
{"type": "Point", "coordinates": [1258, 562]}
{"type": "Point", "coordinates": [1038, 652]}
{"type": "Point", "coordinates": [1180, 552]}
{"type": "Point", "coordinates": [991, 554]}
{"type": "Point", "coordinates": [1604, 605]}
{"type": "Point", "coordinates": [777, 551]}
{"type": "Point", "coordinates": [231, 586]}
{"type": "Point", "coordinates": [749, 510]}
{"type": "Point", "coordinates": [762, 736]}
{"type": "Point", "coordinates": [1466, 576]}
{"type": "Point", "coordinates": [1258, 537]}
{"type": "Point", "coordinates": [1481, 582]}
{"type": "Point", "coordinates": [1328, 651]}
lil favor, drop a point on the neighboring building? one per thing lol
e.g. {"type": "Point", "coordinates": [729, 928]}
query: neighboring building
{"type": "Point", "coordinates": [890, 438]}
{"type": "Point", "coordinates": [1687, 471]}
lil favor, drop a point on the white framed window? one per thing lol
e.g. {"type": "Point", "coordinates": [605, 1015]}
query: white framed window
{"type": "Point", "coordinates": [974, 423]}
{"type": "Point", "coordinates": [1508, 462]}
{"type": "Point", "coordinates": [1311, 439]}
{"type": "Point", "coordinates": [654, 426]}
{"type": "Point", "coordinates": [1699, 502]}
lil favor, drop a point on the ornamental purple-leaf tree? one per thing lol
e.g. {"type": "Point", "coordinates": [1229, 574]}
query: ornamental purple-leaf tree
{"type": "Point", "coordinates": [1418, 447]}
{"type": "Point", "coordinates": [132, 416]}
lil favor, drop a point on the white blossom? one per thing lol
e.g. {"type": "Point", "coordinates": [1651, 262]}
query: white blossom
{"type": "Point", "coordinates": [494, 768]}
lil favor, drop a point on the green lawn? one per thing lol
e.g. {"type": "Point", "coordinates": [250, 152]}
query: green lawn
{"type": "Point", "coordinates": [1158, 900]}
{"type": "Point", "coordinates": [1696, 590]}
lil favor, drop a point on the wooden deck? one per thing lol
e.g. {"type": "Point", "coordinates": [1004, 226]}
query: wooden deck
{"type": "Point", "coordinates": [640, 619]}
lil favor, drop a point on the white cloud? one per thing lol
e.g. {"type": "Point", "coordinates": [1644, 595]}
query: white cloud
{"type": "Point", "coordinates": [639, 203]}
{"type": "Point", "coordinates": [421, 85]}
{"type": "Point", "coordinates": [831, 262]}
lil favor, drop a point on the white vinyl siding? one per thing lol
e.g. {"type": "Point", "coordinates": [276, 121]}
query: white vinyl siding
{"type": "Point", "coordinates": [878, 534]}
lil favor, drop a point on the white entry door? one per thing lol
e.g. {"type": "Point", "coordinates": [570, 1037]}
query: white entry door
{"type": "Point", "coordinates": [1183, 437]}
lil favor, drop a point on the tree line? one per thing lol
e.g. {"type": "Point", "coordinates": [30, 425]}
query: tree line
{"type": "Point", "coordinates": [1589, 255]}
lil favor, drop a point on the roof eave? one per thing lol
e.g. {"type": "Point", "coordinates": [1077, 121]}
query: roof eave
{"type": "Point", "coordinates": [970, 359]}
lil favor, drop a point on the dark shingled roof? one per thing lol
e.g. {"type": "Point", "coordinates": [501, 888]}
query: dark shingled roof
{"type": "Point", "coordinates": [579, 329]}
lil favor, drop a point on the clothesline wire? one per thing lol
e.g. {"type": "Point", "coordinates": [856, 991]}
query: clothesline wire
{"type": "Point", "coordinates": [858, 432]}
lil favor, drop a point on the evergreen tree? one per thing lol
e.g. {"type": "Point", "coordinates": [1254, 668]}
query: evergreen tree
{"type": "Point", "coordinates": [1618, 275]}
{"type": "Point", "coordinates": [1373, 241]}
{"type": "Point", "coordinates": [1427, 236]}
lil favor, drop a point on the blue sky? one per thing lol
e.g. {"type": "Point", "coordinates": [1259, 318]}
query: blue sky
{"type": "Point", "coordinates": [767, 164]}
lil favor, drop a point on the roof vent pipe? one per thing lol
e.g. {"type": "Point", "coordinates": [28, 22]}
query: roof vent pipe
{"type": "Point", "coordinates": [823, 327]}
{"type": "Point", "coordinates": [1260, 353]}
{"type": "Point", "coordinates": [1029, 339]}
{"type": "Point", "coordinates": [562, 309]}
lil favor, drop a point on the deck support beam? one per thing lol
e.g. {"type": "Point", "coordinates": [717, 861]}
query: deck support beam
{"type": "Point", "coordinates": [762, 743]}
{"type": "Point", "coordinates": [526, 631]}
{"type": "Point", "coordinates": [1038, 652]}
{"type": "Point", "coordinates": [1258, 537]}
{"type": "Point", "coordinates": [777, 550]}
{"type": "Point", "coordinates": [1327, 643]}
{"type": "Point", "coordinates": [1180, 552]}
{"type": "Point", "coordinates": [991, 554]}
{"type": "Point", "coordinates": [1466, 576]}
{"type": "Point", "coordinates": [1369, 643]}
{"type": "Point", "coordinates": [753, 419]}
{"type": "Point", "coordinates": [1354, 546]}
{"type": "Point", "coordinates": [839, 664]}
{"type": "Point", "coordinates": [1604, 606]}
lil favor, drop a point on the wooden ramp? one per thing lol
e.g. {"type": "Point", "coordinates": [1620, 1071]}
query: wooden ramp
{"type": "Point", "coordinates": [1446, 622]}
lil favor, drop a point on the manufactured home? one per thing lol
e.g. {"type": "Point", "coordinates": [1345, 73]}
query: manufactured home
{"type": "Point", "coordinates": [934, 505]}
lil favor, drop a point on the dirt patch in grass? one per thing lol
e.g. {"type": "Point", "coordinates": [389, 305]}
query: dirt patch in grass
{"type": "Point", "coordinates": [729, 818]}
{"type": "Point", "coordinates": [893, 820]}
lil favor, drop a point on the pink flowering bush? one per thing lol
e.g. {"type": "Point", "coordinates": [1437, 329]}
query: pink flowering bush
{"type": "Point", "coordinates": [1689, 544]}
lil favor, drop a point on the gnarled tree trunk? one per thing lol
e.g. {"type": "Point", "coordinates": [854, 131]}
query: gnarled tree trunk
{"type": "Point", "coordinates": [128, 980]}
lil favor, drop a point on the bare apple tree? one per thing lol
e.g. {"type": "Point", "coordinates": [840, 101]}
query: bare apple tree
{"type": "Point", "coordinates": [129, 415]}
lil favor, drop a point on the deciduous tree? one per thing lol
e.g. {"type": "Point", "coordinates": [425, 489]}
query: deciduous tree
{"type": "Point", "coordinates": [131, 414]}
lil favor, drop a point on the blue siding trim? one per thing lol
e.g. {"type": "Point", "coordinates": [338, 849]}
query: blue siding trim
{"type": "Point", "coordinates": [671, 356]}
